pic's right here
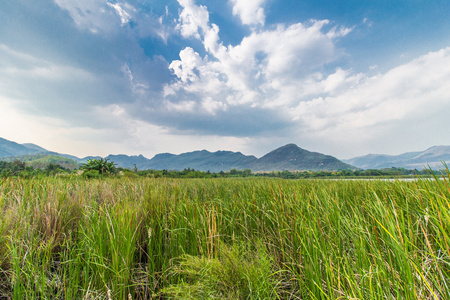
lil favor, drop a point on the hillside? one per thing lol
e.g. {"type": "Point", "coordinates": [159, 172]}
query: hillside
{"type": "Point", "coordinates": [293, 158]}
{"type": "Point", "coordinates": [202, 160]}
{"type": "Point", "coordinates": [289, 157]}
{"type": "Point", "coordinates": [432, 157]}
{"type": "Point", "coordinates": [40, 161]}
{"type": "Point", "coordinates": [128, 162]}
{"type": "Point", "coordinates": [10, 148]}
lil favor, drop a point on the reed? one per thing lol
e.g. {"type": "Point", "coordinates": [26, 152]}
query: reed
{"type": "Point", "coordinates": [135, 238]}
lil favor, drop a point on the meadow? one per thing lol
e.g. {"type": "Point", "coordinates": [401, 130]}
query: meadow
{"type": "Point", "coordinates": [224, 238]}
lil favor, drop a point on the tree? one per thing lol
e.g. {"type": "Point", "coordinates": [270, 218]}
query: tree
{"type": "Point", "coordinates": [101, 165]}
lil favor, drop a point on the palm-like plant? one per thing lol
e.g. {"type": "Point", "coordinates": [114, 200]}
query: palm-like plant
{"type": "Point", "coordinates": [101, 165]}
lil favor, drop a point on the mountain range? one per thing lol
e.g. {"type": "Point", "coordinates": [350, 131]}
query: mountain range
{"type": "Point", "coordinates": [289, 157]}
{"type": "Point", "coordinates": [432, 157]}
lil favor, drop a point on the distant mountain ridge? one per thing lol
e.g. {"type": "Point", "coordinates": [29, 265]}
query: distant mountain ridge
{"type": "Point", "coordinates": [432, 157]}
{"type": "Point", "coordinates": [9, 148]}
{"type": "Point", "coordinates": [202, 160]}
{"type": "Point", "coordinates": [289, 157]}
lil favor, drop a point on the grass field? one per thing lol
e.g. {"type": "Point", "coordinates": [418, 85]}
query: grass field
{"type": "Point", "coordinates": [136, 238]}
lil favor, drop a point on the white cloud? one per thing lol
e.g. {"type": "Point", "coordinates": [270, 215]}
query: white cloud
{"type": "Point", "coordinates": [104, 17]}
{"type": "Point", "coordinates": [93, 15]}
{"type": "Point", "coordinates": [137, 87]}
{"type": "Point", "coordinates": [185, 68]}
{"type": "Point", "coordinates": [193, 18]}
{"type": "Point", "coordinates": [124, 16]}
{"type": "Point", "coordinates": [250, 12]}
{"type": "Point", "coordinates": [340, 81]}
{"type": "Point", "coordinates": [406, 93]}
{"type": "Point", "coordinates": [267, 69]}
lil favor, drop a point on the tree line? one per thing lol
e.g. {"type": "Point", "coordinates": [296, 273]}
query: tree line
{"type": "Point", "coordinates": [98, 168]}
{"type": "Point", "coordinates": [19, 168]}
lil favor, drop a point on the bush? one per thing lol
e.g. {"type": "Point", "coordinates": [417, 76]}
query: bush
{"type": "Point", "coordinates": [91, 174]}
{"type": "Point", "coordinates": [238, 273]}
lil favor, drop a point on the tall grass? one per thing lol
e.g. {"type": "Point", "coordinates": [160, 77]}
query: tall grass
{"type": "Point", "coordinates": [131, 238]}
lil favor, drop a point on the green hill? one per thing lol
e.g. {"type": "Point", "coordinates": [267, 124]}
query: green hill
{"type": "Point", "coordinates": [41, 161]}
{"type": "Point", "coordinates": [9, 148]}
{"type": "Point", "coordinates": [293, 158]}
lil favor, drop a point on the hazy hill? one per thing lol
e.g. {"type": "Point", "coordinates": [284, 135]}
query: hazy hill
{"type": "Point", "coordinates": [292, 158]}
{"type": "Point", "coordinates": [128, 162]}
{"type": "Point", "coordinates": [432, 157]}
{"type": "Point", "coordinates": [202, 160]}
{"type": "Point", "coordinates": [34, 147]}
{"type": "Point", "coordinates": [289, 157]}
{"type": "Point", "coordinates": [9, 148]}
{"type": "Point", "coordinates": [40, 161]}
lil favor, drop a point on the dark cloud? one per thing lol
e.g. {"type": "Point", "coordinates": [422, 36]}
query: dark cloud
{"type": "Point", "coordinates": [242, 121]}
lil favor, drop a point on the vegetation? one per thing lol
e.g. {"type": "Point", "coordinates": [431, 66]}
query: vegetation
{"type": "Point", "coordinates": [225, 238]}
{"type": "Point", "coordinates": [385, 173]}
{"type": "Point", "coordinates": [21, 169]}
{"type": "Point", "coordinates": [96, 168]}
{"type": "Point", "coordinates": [41, 161]}
{"type": "Point", "coordinates": [102, 166]}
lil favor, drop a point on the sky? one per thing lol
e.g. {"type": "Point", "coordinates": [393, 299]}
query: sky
{"type": "Point", "coordinates": [344, 78]}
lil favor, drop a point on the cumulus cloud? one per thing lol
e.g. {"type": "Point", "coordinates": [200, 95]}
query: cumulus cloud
{"type": "Point", "coordinates": [266, 70]}
{"type": "Point", "coordinates": [412, 91]}
{"type": "Point", "coordinates": [193, 19]}
{"type": "Point", "coordinates": [250, 12]}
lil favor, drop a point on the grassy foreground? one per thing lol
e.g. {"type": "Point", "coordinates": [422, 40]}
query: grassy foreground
{"type": "Point", "coordinates": [70, 238]}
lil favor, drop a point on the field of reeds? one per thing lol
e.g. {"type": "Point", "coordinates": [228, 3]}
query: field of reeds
{"type": "Point", "coordinates": [138, 238]}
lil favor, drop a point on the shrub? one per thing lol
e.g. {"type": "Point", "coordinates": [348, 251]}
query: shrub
{"type": "Point", "coordinates": [91, 174]}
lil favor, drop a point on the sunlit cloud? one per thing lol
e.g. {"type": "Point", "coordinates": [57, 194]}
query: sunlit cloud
{"type": "Point", "coordinates": [250, 12]}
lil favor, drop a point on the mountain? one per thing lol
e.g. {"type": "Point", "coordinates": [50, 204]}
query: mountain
{"type": "Point", "coordinates": [293, 158]}
{"type": "Point", "coordinates": [128, 162]}
{"type": "Point", "coordinates": [432, 157]}
{"type": "Point", "coordinates": [9, 148]}
{"type": "Point", "coordinates": [41, 161]}
{"type": "Point", "coordinates": [35, 147]}
{"type": "Point", "coordinates": [289, 157]}
{"type": "Point", "coordinates": [202, 160]}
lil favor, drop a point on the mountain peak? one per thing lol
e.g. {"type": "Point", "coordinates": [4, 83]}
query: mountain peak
{"type": "Point", "coordinates": [10, 148]}
{"type": "Point", "coordinates": [291, 157]}
{"type": "Point", "coordinates": [289, 151]}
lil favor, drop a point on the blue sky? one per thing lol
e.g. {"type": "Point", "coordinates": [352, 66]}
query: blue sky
{"type": "Point", "coordinates": [345, 78]}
